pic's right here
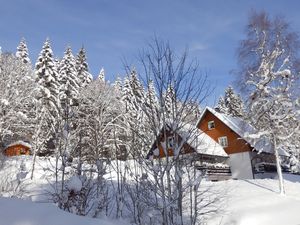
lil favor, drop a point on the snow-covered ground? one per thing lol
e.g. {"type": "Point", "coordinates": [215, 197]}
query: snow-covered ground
{"type": "Point", "coordinates": [239, 202]}
{"type": "Point", "coordinates": [255, 202]}
{"type": "Point", "coordinates": [24, 212]}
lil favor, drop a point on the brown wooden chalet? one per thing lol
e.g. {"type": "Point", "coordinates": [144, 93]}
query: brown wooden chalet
{"type": "Point", "coordinates": [193, 144]}
{"type": "Point", "coordinates": [246, 156]}
{"type": "Point", "coordinates": [219, 139]}
{"type": "Point", "coordinates": [17, 148]}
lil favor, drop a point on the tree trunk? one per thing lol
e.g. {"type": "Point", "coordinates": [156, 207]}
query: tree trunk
{"type": "Point", "coordinates": [278, 166]}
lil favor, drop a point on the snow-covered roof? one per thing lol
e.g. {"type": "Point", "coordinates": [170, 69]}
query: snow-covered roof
{"type": "Point", "coordinates": [19, 143]}
{"type": "Point", "coordinates": [243, 129]}
{"type": "Point", "coordinates": [200, 141]}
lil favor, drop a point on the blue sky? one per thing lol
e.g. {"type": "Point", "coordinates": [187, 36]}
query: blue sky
{"type": "Point", "coordinates": [111, 30]}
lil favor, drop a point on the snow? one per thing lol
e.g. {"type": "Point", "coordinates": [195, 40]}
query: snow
{"type": "Point", "coordinates": [204, 144]}
{"type": "Point", "coordinates": [240, 202]}
{"type": "Point", "coordinates": [75, 184]}
{"type": "Point", "coordinates": [257, 202]}
{"type": "Point", "coordinates": [4, 102]}
{"type": "Point", "coordinates": [200, 141]}
{"type": "Point", "coordinates": [19, 143]}
{"type": "Point", "coordinates": [24, 212]}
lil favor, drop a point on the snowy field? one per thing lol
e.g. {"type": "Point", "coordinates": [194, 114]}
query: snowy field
{"type": "Point", "coordinates": [249, 202]}
{"type": "Point", "coordinates": [24, 212]}
{"type": "Point", "coordinates": [255, 202]}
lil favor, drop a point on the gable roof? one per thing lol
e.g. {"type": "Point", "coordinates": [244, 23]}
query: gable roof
{"type": "Point", "coordinates": [243, 129]}
{"type": "Point", "coordinates": [19, 143]}
{"type": "Point", "coordinates": [200, 141]}
{"type": "Point", "coordinates": [195, 138]}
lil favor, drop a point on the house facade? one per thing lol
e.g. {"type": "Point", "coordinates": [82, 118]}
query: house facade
{"type": "Point", "coordinates": [247, 158]}
{"type": "Point", "coordinates": [190, 143]}
{"type": "Point", "coordinates": [17, 148]}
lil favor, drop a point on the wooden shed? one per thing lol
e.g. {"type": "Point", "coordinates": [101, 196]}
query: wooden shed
{"type": "Point", "coordinates": [17, 148]}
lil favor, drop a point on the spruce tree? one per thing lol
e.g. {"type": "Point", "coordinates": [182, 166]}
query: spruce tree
{"type": "Point", "coordinates": [101, 76]}
{"type": "Point", "coordinates": [231, 104]}
{"type": "Point", "coordinates": [47, 99]}
{"type": "Point", "coordinates": [221, 107]}
{"type": "Point", "coordinates": [69, 81]}
{"type": "Point", "coordinates": [82, 69]}
{"type": "Point", "coordinates": [47, 78]}
{"type": "Point", "coordinates": [22, 52]}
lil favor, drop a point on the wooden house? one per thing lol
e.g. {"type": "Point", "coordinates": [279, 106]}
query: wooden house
{"type": "Point", "coordinates": [188, 142]}
{"type": "Point", "coordinates": [17, 148]}
{"type": "Point", "coordinates": [246, 156]}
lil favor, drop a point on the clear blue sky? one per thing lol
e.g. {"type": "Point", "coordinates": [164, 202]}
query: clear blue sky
{"type": "Point", "coordinates": [111, 30]}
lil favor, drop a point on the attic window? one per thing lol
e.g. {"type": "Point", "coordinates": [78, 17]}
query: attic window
{"type": "Point", "coordinates": [170, 142]}
{"type": "Point", "coordinates": [211, 125]}
{"type": "Point", "coordinates": [223, 141]}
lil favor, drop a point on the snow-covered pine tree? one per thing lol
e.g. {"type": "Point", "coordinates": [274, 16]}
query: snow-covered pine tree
{"type": "Point", "coordinates": [137, 91]}
{"type": "Point", "coordinates": [151, 102]}
{"type": "Point", "coordinates": [169, 101]}
{"type": "Point", "coordinates": [47, 99]}
{"type": "Point", "coordinates": [82, 69]}
{"type": "Point", "coordinates": [16, 100]}
{"type": "Point", "coordinates": [101, 76]}
{"type": "Point", "coordinates": [221, 107]}
{"type": "Point", "coordinates": [68, 79]}
{"type": "Point", "coordinates": [127, 96]}
{"type": "Point", "coordinates": [233, 103]}
{"type": "Point", "coordinates": [118, 86]}
{"type": "Point", "coordinates": [133, 98]}
{"type": "Point", "coordinates": [68, 95]}
{"type": "Point", "coordinates": [22, 52]}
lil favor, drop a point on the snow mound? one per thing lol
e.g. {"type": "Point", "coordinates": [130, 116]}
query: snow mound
{"type": "Point", "coordinates": [24, 212]}
{"type": "Point", "coordinates": [75, 184]}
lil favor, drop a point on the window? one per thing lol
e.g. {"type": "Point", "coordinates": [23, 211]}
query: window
{"type": "Point", "coordinates": [22, 151]}
{"type": "Point", "coordinates": [223, 141]}
{"type": "Point", "coordinates": [170, 142]}
{"type": "Point", "coordinates": [211, 125]}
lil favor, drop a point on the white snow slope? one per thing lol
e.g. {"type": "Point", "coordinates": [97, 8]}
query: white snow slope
{"type": "Point", "coordinates": [257, 202]}
{"type": "Point", "coordinates": [24, 212]}
{"type": "Point", "coordinates": [248, 202]}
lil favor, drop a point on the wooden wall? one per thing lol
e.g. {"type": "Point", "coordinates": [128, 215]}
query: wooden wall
{"type": "Point", "coordinates": [17, 150]}
{"type": "Point", "coordinates": [235, 143]}
{"type": "Point", "coordinates": [185, 149]}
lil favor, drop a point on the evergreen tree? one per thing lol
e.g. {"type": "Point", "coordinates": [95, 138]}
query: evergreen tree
{"type": "Point", "coordinates": [22, 52]}
{"type": "Point", "coordinates": [47, 99]}
{"type": "Point", "coordinates": [137, 91]}
{"type": "Point", "coordinates": [47, 79]}
{"type": "Point", "coordinates": [118, 85]}
{"type": "Point", "coordinates": [17, 111]}
{"type": "Point", "coordinates": [169, 101]}
{"type": "Point", "coordinates": [221, 107]}
{"type": "Point", "coordinates": [69, 81]}
{"type": "Point", "coordinates": [231, 104]}
{"type": "Point", "coordinates": [82, 69]}
{"type": "Point", "coordinates": [101, 76]}
{"type": "Point", "coordinates": [127, 96]}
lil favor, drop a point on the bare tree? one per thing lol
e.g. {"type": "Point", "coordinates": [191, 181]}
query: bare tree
{"type": "Point", "coordinates": [180, 89]}
{"type": "Point", "coordinates": [269, 66]}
